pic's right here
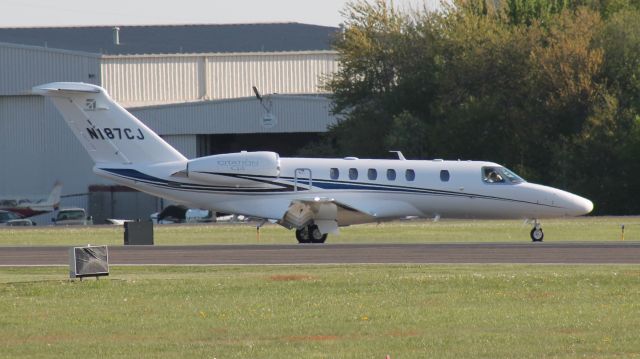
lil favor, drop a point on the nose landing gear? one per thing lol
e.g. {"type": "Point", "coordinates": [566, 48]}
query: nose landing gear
{"type": "Point", "coordinates": [536, 233]}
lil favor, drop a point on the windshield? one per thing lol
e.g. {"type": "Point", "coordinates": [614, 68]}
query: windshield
{"type": "Point", "coordinates": [500, 175]}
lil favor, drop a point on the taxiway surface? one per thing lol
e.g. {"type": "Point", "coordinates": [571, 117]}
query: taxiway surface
{"type": "Point", "coordinates": [561, 253]}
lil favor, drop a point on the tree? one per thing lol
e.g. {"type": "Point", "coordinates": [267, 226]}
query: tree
{"type": "Point", "coordinates": [546, 87]}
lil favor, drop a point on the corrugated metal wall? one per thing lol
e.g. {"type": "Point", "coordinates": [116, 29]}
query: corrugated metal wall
{"type": "Point", "coordinates": [141, 80]}
{"type": "Point", "coordinates": [151, 79]}
{"type": "Point", "coordinates": [22, 67]}
{"type": "Point", "coordinates": [291, 113]}
{"type": "Point", "coordinates": [36, 145]}
{"type": "Point", "coordinates": [110, 202]}
{"type": "Point", "coordinates": [283, 73]}
{"type": "Point", "coordinates": [185, 144]}
{"type": "Point", "coordinates": [38, 148]}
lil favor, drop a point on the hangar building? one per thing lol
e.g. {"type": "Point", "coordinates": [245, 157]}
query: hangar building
{"type": "Point", "coordinates": [192, 84]}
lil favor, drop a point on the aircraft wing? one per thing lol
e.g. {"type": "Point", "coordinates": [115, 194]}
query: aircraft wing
{"type": "Point", "coordinates": [329, 213]}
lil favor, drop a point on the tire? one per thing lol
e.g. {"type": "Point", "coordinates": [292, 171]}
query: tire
{"type": "Point", "coordinates": [302, 235]}
{"type": "Point", "coordinates": [315, 235]}
{"type": "Point", "coordinates": [537, 235]}
{"type": "Point", "coordinates": [322, 239]}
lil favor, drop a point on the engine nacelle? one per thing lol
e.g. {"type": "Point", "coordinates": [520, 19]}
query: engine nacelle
{"type": "Point", "coordinates": [220, 169]}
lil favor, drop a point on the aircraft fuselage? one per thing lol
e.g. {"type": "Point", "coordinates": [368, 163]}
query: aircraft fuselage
{"type": "Point", "coordinates": [384, 189]}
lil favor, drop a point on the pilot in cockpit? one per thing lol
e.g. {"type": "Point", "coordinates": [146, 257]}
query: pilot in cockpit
{"type": "Point", "coordinates": [493, 176]}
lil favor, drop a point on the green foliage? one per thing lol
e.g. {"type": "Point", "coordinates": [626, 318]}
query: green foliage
{"type": "Point", "coordinates": [542, 86]}
{"type": "Point", "coordinates": [407, 132]}
{"type": "Point", "coordinates": [515, 11]}
{"type": "Point", "coordinates": [621, 43]}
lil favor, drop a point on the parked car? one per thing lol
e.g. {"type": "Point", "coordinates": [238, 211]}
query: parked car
{"type": "Point", "coordinates": [72, 216]}
{"type": "Point", "coordinates": [22, 222]}
{"type": "Point", "coordinates": [8, 218]}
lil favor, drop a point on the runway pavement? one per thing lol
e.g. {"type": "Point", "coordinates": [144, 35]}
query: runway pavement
{"type": "Point", "coordinates": [569, 253]}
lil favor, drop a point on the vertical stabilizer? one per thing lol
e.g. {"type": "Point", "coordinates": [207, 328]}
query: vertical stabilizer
{"type": "Point", "coordinates": [54, 196]}
{"type": "Point", "coordinates": [107, 131]}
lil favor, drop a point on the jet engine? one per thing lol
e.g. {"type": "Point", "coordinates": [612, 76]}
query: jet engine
{"type": "Point", "coordinates": [232, 168]}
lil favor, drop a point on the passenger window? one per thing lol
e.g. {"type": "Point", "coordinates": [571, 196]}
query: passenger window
{"type": "Point", "coordinates": [372, 174]}
{"type": "Point", "coordinates": [391, 175]}
{"type": "Point", "coordinates": [334, 173]}
{"type": "Point", "coordinates": [410, 175]}
{"type": "Point", "coordinates": [444, 176]}
{"type": "Point", "coordinates": [353, 174]}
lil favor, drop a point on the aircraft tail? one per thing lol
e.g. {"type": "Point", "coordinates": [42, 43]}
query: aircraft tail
{"type": "Point", "coordinates": [54, 196]}
{"type": "Point", "coordinates": [108, 132]}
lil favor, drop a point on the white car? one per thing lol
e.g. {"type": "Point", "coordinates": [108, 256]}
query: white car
{"type": "Point", "coordinates": [8, 218]}
{"type": "Point", "coordinates": [72, 216]}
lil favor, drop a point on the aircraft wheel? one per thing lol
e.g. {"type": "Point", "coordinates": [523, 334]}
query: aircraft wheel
{"type": "Point", "coordinates": [536, 234]}
{"type": "Point", "coordinates": [316, 236]}
{"type": "Point", "coordinates": [302, 235]}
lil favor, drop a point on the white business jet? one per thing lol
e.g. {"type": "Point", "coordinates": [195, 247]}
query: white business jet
{"type": "Point", "coordinates": [314, 196]}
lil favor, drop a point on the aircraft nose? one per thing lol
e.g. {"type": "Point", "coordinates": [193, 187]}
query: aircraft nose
{"type": "Point", "coordinates": [582, 205]}
{"type": "Point", "coordinates": [576, 205]}
{"type": "Point", "coordinates": [588, 206]}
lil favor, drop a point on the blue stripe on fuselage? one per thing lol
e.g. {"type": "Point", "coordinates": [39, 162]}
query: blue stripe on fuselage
{"type": "Point", "coordinates": [136, 175]}
{"type": "Point", "coordinates": [133, 174]}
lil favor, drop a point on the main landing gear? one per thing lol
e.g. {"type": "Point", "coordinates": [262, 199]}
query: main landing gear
{"type": "Point", "coordinates": [536, 233]}
{"type": "Point", "coordinates": [310, 234]}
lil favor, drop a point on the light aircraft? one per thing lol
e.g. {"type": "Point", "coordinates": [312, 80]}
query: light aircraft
{"type": "Point", "coordinates": [311, 195]}
{"type": "Point", "coordinates": [25, 207]}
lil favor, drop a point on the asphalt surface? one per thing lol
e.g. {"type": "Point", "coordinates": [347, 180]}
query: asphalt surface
{"type": "Point", "coordinates": [565, 253]}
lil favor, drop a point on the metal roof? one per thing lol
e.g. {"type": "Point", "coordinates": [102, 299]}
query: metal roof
{"type": "Point", "coordinates": [171, 39]}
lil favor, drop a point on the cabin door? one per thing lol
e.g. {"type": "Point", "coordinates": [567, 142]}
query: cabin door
{"type": "Point", "coordinates": [302, 179]}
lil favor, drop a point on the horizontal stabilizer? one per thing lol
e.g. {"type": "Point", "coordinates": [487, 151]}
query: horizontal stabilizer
{"type": "Point", "coordinates": [61, 88]}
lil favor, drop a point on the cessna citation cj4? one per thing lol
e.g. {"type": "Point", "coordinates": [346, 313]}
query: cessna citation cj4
{"type": "Point", "coordinates": [314, 196]}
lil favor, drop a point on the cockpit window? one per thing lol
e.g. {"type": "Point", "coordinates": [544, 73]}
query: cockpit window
{"type": "Point", "coordinates": [500, 175]}
{"type": "Point", "coordinates": [511, 176]}
{"type": "Point", "coordinates": [491, 175]}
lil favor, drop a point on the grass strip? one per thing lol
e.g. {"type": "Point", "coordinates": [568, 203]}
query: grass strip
{"type": "Point", "coordinates": [405, 311]}
{"type": "Point", "coordinates": [420, 231]}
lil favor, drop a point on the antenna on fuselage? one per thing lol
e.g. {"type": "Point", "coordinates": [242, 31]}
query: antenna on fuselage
{"type": "Point", "coordinates": [400, 155]}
